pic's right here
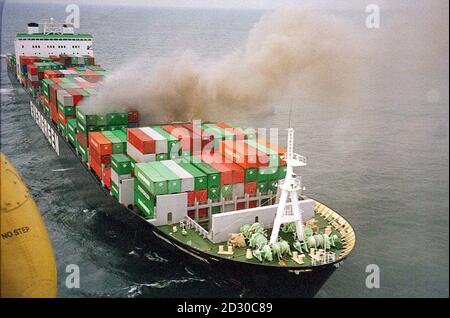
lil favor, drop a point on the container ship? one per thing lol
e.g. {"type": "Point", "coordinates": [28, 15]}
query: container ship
{"type": "Point", "coordinates": [218, 192]}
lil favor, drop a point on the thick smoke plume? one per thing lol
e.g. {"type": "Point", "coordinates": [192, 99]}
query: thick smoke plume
{"type": "Point", "coordinates": [288, 52]}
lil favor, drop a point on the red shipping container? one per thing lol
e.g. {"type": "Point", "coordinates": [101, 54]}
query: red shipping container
{"type": "Point", "coordinates": [252, 204]}
{"type": "Point", "coordinates": [191, 214]}
{"type": "Point", "coordinates": [240, 205]}
{"type": "Point", "coordinates": [133, 116]}
{"type": "Point", "coordinates": [202, 213]}
{"type": "Point", "coordinates": [201, 196]}
{"type": "Point", "coordinates": [85, 84]}
{"type": "Point", "coordinates": [182, 134]}
{"type": "Point", "coordinates": [237, 133]}
{"type": "Point", "coordinates": [244, 155]}
{"type": "Point", "coordinates": [107, 178]}
{"type": "Point", "coordinates": [102, 159]}
{"type": "Point", "coordinates": [141, 140]}
{"type": "Point", "coordinates": [226, 174]}
{"type": "Point", "coordinates": [83, 140]}
{"type": "Point", "coordinates": [32, 70]}
{"type": "Point", "coordinates": [197, 135]}
{"type": "Point", "coordinates": [46, 101]}
{"type": "Point", "coordinates": [191, 198]}
{"type": "Point", "coordinates": [77, 96]}
{"type": "Point", "coordinates": [95, 166]}
{"type": "Point", "coordinates": [238, 172]}
{"type": "Point", "coordinates": [62, 118]}
{"type": "Point", "coordinates": [35, 84]}
{"type": "Point", "coordinates": [100, 143]}
{"type": "Point", "coordinates": [53, 93]}
{"type": "Point", "coordinates": [279, 150]}
{"type": "Point", "coordinates": [250, 188]}
{"type": "Point", "coordinates": [54, 112]}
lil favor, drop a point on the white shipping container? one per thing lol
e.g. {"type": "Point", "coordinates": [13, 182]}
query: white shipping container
{"type": "Point", "coordinates": [126, 191]}
{"type": "Point", "coordinates": [138, 156]}
{"type": "Point", "coordinates": [116, 178]}
{"type": "Point", "coordinates": [187, 180]}
{"type": "Point", "coordinates": [160, 141]}
{"type": "Point", "coordinates": [64, 98]}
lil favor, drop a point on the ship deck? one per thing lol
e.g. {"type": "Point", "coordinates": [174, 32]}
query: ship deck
{"type": "Point", "coordinates": [324, 216]}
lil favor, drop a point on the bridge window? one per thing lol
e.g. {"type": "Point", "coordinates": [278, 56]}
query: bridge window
{"type": "Point", "coordinates": [256, 219]}
{"type": "Point", "coordinates": [169, 218]}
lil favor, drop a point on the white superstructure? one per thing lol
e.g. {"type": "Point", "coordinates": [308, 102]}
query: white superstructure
{"type": "Point", "coordinates": [52, 38]}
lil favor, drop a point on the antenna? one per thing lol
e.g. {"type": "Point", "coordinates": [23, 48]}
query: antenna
{"type": "Point", "coordinates": [290, 113]}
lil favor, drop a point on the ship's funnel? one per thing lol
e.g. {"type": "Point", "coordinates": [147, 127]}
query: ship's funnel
{"type": "Point", "coordinates": [33, 28]}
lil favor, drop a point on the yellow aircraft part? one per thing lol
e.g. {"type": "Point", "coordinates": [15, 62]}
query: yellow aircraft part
{"type": "Point", "coordinates": [28, 267]}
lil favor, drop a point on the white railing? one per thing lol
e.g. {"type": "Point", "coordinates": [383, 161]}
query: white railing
{"type": "Point", "coordinates": [326, 258]}
{"type": "Point", "coordinates": [190, 223]}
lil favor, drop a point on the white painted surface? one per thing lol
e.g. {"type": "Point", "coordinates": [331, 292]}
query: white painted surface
{"type": "Point", "coordinates": [126, 191]}
{"type": "Point", "coordinates": [170, 203]}
{"type": "Point", "coordinates": [187, 180]}
{"type": "Point", "coordinates": [160, 141]}
{"type": "Point", "coordinates": [222, 224]}
{"type": "Point", "coordinates": [116, 178]}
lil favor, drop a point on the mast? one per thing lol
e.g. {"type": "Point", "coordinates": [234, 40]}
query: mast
{"type": "Point", "coordinates": [289, 189]}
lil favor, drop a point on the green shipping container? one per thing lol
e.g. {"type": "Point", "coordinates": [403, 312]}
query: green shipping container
{"type": "Point", "coordinates": [226, 191]}
{"type": "Point", "coordinates": [66, 110]}
{"type": "Point", "coordinates": [173, 144]}
{"type": "Point", "coordinates": [84, 130]}
{"type": "Point", "coordinates": [267, 173]}
{"type": "Point", "coordinates": [251, 174]}
{"type": "Point", "coordinates": [212, 174]}
{"type": "Point", "coordinates": [272, 185]}
{"type": "Point", "coordinates": [84, 153]}
{"type": "Point", "coordinates": [117, 118]}
{"type": "Point", "coordinates": [200, 178]}
{"type": "Point", "coordinates": [114, 190]}
{"type": "Point", "coordinates": [214, 193]}
{"type": "Point", "coordinates": [250, 133]}
{"type": "Point", "coordinates": [72, 139]}
{"type": "Point", "coordinates": [86, 119]}
{"type": "Point", "coordinates": [173, 181]}
{"type": "Point", "coordinates": [162, 156]}
{"type": "Point", "coordinates": [262, 187]}
{"type": "Point", "coordinates": [62, 128]}
{"type": "Point", "coordinates": [150, 178]}
{"type": "Point", "coordinates": [274, 157]}
{"type": "Point", "coordinates": [282, 172]}
{"type": "Point", "coordinates": [148, 198]}
{"type": "Point", "coordinates": [147, 210]}
{"type": "Point", "coordinates": [121, 164]}
{"type": "Point", "coordinates": [101, 120]}
{"type": "Point", "coordinates": [72, 126]}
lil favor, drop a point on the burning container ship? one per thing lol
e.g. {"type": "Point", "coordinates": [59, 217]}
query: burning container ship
{"type": "Point", "coordinates": [216, 191]}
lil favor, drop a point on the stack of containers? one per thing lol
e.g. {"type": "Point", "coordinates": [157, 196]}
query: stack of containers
{"type": "Point", "coordinates": [133, 119]}
{"type": "Point", "coordinates": [24, 61]}
{"type": "Point", "coordinates": [161, 145]}
{"type": "Point", "coordinates": [268, 176]}
{"type": "Point", "coordinates": [140, 146]}
{"type": "Point", "coordinates": [200, 193]}
{"type": "Point", "coordinates": [72, 131]}
{"type": "Point", "coordinates": [85, 123]}
{"type": "Point", "coordinates": [100, 150]}
{"type": "Point", "coordinates": [152, 179]}
{"type": "Point", "coordinates": [173, 144]}
{"type": "Point", "coordinates": [122, 181]}
{"type": "Point", "coordinates": [185, 136]}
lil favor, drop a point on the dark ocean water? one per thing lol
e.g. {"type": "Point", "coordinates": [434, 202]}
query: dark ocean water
{"type": "Point", "coordinates": [381, 161]}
